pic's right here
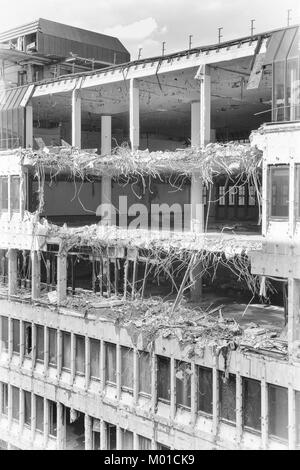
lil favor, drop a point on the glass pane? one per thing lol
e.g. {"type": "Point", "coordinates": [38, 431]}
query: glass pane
{"type": "Point", "coordinates": [163, 378]}
{"type": "Point", "coordinates": [66, 350]}
{"type": "Point", "coordinates": [4, 409]}
{"type": "Point", "coordinates": [293, 90]}
{"type": "Point", "coordinates": [52, 418]}
{"type": "Point", "coordinates": [39, 410]}
{"type": "Point", "coordinates": [40, 343]}
{"type": "Point", "coordinates": [279, 191]}
{"type": "Point", "coordinates": [126, 367]}
{"type": "Point", "coordinates": [227, 397]}
{"type": "Point", "coordinates": [27, 408]}
{"type": "Point", "coordinates": [110, 362]}
{"type": "Point", "coordinates": [278, 411]}
{"type": "Point", "coordinates": [4, 193]}
{"type": "Point", "coordinates": [278, 105]}
{"type": "Point", "coordinates": [183, 383]}
{"type": "Point", "coordinates": [4, 333]}
{"type": "Point", "coordinates": [252, 403]}
{"type": "Point", "coordinates": [52, 347]}
{"type": "Point", "coordinates": [144, 372]}
{"type": "Point", "coordinates": [127, 440]}
{"type": "Point", "coordinates": [95, 357]}
{"type": "Point", "coordinates": [16, 336]}
{"type": "Point", "coordinates": [144, 443]}
{"type": "Point", "coordinates": [15, 193]}
{"type": "Point", "coordinates": [15, 403]}
{"type": "Point", "coordinates": [205, 390]}
{"type": "Point", "coordinates": [80, 354]}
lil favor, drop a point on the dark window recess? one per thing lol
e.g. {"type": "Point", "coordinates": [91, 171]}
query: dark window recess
{"type": "Point", "coordinates": [110, 362]}
{"type": "Point", "coordinates": [52, 418]}
{"type": "Point", "coordinates": [126, 367]}
{"type": "Point", "coordinates": [144, 372]}
{"type": "Point", "coordinates": [227, 397]}
{"type": "Point", "coordinates": [39, 411]}
{"type": "Point", "coordinates": [144, 443]}
{"type": "Point", "coordinates": [183, 384]}
{"type": "Point", "coordinates": [80, 354]}
{"type": "Point", "coordinates": [4, 192]}
{"type": "Point", "coordinates": [16, 336]}
{"type": "Point", "coordinates": [27, 339]}
{"type": "Point", "coordinates": [95, 357]}
{"type": "Point", "coordinates": [278, 411]}
{"type": "Point", "coordinates": [4, 404]}
{"type": "Point", "coordinates": [127, 440]}
{"type": "Point", "coordinates": [111, 437]}
{"type": "Point", "coordinates": [15, 403]}
{"type": "Point", "coordinates": [279, 178]}
{"type": "Point", "coordinates": [252, 403]}
{"type": "Point", "coordinates": [66, 350]}
{"type": "Point", "coordinates": [40, 343]}
{"type": "Point", "coordinates": [163, 378]}
{"type": "Point", "coordinates": [4, 333]}
{"type": "Point", "coordinates": [52, 347]}
{"type": "Point", "coordinates": [204, 390]}
{"type": "Point", "coordinates": [27, 408]}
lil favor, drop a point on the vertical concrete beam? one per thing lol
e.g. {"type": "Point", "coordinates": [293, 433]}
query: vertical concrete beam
{"type": "Point", "coordinates": [118, 369]}
{"type": "Point", "coordinates": [195, 124]}
{"type": "Point", "coordinates": [134, 114]}
{"type": "Point", "coordinates": [61, 277]}
{"type": "Point", "coordinates": [106, 180]}
{"type": "Point", "coordinates": [29, 126]}
{"type": "Point", "coordinates": [103, 434]}
{"type": "Point", "coordinates": [21, 342]}
{"type": "Point", "coordinates": [10, 339]}
{"type": "Point", "coordinates": [33, 343]}
{"type": "Point", "coordinates": [215, 398]}
{"type": "Point", "coordinates": [12, 271]}
{"type": "Point", "coordinates": [33, 417]}
{"type": "Point", "coordinates": [293, 314]}
{"type": "Point", "coordinates": [76, 118]}
{"type": "Point", "coordinates": [9, 405]}
{"type": "Point", "coordinates": [59, 352]}
{"type": "Point", "coordinates": [239, 409]}
{"type": "Point", "coordinates": [135, 441]}
{"type": "Point", "coordinates": [119, 438]}
{"type": "Point", "coordinates": [153, 382]}
{"type": "Point", "coordinates": [205, 106]}
{"type": "Point", "coordinates": [73, 354]}
{"type": "Point", "coordinates": [135, 376]}
{"type": "Point", "coordinates": [87, 362]}
{"type": "Point", "coordinates": [35, 275]}
{"type": "Point", "coordinates": [60, 426]}
{"type": "Point", "coordinates": [102, 366]}
{"type": "Point", "coordinates": [173, 388]}
{"type": "Point", "coordinates": [88, 433]}
{"type": "Point", "coordinates": [194, 386]}
{"type": "Point", "coordinates": [46, 350]}
{"type": "Point", "coordinates": [264, 411]}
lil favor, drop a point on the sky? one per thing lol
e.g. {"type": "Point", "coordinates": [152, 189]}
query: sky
{"type": "Point", "coordinates": [147, 24]}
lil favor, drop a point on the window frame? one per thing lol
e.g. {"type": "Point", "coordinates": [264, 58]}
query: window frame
{"type": "Point", "coordinates": [270, 169]}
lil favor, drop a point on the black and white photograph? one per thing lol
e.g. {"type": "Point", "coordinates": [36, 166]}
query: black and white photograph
{"type": "Point", "coordinates": [149, 228]}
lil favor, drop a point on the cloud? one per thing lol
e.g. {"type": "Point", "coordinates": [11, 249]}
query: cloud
{"type": "Point", "coordinates": [134, 31]}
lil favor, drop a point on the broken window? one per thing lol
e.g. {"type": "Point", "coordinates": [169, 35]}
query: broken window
{"type": "Point", "coordinates": [144, 443]}
{"type": "Point", "coordinates": [144, 372]}
{"type": "Point", "coordinates": [4, 193]}
{"type": "Point", "coordinates": [279, 184]}
{"type": "Point", "coordinates": [163, 378]}
{"type": "Point", "coordinates": [52, 347]}
{"type": "Point", "coordinates": [39, 413]}
{"type": "Point", "coordinates": [27, 339]}
{"type": "Point", "coordinates": [227, 397]}
{"type": "Point", "coordinates": [278, 411]}
{"type": "Point", "coordinates": [4, 399]}
{"type": "Point", "coordinates": [79, 354]}
{"type": "Point", "coordinates": [204, 394]}
{"type": "Point", "coordinates": [95, 358]}
{"type": "Point", "coordinates": [27, 408]}
{"type": "Point", "coordinates": [52, 418]}
{"type": "Point", "coordinates": [111, 434]}
{"type": "Point", "coordinates": [15, 392]}
{"type": "Point", "coordinates": [252, 403]}
{"type": "Point", "coordinates": [16, 336]}
{"type": "Point", "coordinates": [15, 193]}
{"type": "Point", "coordinates": [221, 197]}
{"type": "Point", "coordinates": [127, 367]}
{"type": "Point", "coordinates": [297, 399]}
{"type": "Point", "coordinates": [40, 343]}
{"type": "Point", "coordinates": [183, 384]}
{"type": "Point", "coordinates": [127, 440]}
{"type": "Point", "coordinates": [241, 195]}
{"type": "Point", "coordinates": [110, 363]}
{"type": "Point", "coordinates": [66, 350]}
{"type": "Point", "coordinates": [4, 333]}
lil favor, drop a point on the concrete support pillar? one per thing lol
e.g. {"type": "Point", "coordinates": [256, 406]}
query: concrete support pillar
{"type": "Point", "coordinates": [21, 342]}
{"type": "Point", "coordinates": [76, 118]}
{"type": "Point", "coordinates": [102, 366]}
{"type": "Point", "coordinates": [106, 180]}
{"type": "Point", "coordinates": [10, 338]}
{"type": "Point", "coordinates": [61, 277]}
{"type": "Point", "coordinates": [292, 417]}
{"type": "Point", "coordinates": [33, 341]}
{"type": "Point", "coordinates": [36, 275]}
{"type": "Point", "coordinates": [119, 438]}
{"type": "Point", "coordinates": [12, 272]}
{"type": "Point", "coordinates": [293, 315]}
{"type": "Point", "coordinates": [205, 106]}
{"type": "Point", "coordinates": [173, 388]}
{"type": "Point", "coordinates": [135, 441]}
{"type": "Point", "coordinates": [135, 376]}
{"type": "Point", "coordinates": [46, 350]}
{"type": "Point", "coordinates": [28, 126]}
{"type": "Point", "coordinates": [88, 433]}
{"type": "Point", "coordinates": [9, 405]}
{"type": "Point", "coordinates": [194, 386]}
{"type": "Point", "coordinates": [59, 353]}
{"type": "Point", "coordinates": [153, 382]}
{"type": "Point", "coordinates": [103, 435]}
{"type": "Point", "coordinates": [60, 427]}
{"type": "Point", "coordinates": [134, 114]}
{"type": "Point", "coordinates": [118, 370]}
{"type": "Point", "coordinates": [87, 362]}
{"type": "Point", "coordinates": [73, 354]}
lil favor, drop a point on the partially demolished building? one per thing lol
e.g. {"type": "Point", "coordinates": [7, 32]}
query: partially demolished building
{"type": "Point", "coordinates": [150, 267]}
